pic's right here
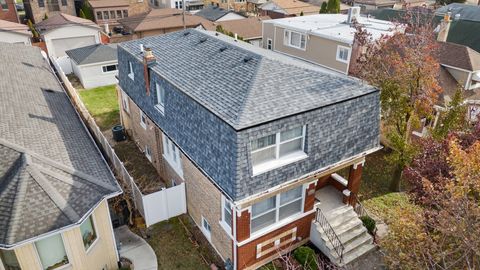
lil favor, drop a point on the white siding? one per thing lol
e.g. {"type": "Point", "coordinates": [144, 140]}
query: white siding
{"type": "Point", "coordinates": [12, 37]}
{"type": "Point", "coordinates": [93, 76]}
{"type": "Point", "coordinates": [90, 36]}
{"type": "Point", "coordinates": [230, 16]}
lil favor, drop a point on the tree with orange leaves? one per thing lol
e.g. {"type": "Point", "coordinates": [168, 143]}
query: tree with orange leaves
{"type": "Point", "coordinates": [404, 67]}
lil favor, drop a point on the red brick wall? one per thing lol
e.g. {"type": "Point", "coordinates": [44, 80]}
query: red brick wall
{"type": "Point", "coordinates": [10, 14]}
{"type": "Point", "coordinates": [243, 226]}
{"type": "Point", "coordinates": [247, 254]}
{"type": "Point", "coordinates": [309, 198]}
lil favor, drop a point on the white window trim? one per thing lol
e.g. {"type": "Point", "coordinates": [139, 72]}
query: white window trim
{"type": "Point", "coordinates": [96, 233]}
{"type": "Point", "coordinates": [279, 223]}
{"type": "Point", "coordinates": [223, 223]}
{"type": "Point", "coordinates": [280, 161]}
{"type": "Point", "coordinates": [339, 47]}
{"type": "Point", "coordinates": [113, 71]}
{"type": "Point", "coordinates": [149, 156]}
{"type": "Point", "coordinates": [176, 166]}
{"type": "Point", "coordinates": [142, 123]}
{"type": "Point", "coordinates": [68, 265]}
{"type": "Point", "coordinates": [131, 74]}
{"type": "Point", "coordinates": [159, 106]}
{"type": "Point", "coordinates": [125, 102]}
{"type": "Point", "coordinates": [270, 43]}
{"type": "Point", "coordinates": [208, 234]}
{"type": "Point", "coordinates": [288, 42]}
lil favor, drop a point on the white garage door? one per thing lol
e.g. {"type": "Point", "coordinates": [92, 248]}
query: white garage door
{"type": "Point", "coordinates": [61, 45]}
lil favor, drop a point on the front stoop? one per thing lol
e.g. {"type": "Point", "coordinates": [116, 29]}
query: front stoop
{"type": "Point", "coordinates": [351, 232]}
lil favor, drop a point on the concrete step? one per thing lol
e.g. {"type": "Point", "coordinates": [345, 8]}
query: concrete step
{"type": "Point", "coordinates": [351, 247]}
{"type": "Point", "coordinates": [349, 236]}
{"type": "Point", "coordinates": [333, 214]}
{"type": "Point", "coordinates": [358, 253]}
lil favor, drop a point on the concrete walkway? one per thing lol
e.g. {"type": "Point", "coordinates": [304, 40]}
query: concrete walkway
{"type": "Point", "coordinates": [136, 249]}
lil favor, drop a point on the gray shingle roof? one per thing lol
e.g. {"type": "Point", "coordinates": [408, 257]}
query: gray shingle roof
{"type": "Point", "coordinates": [51, 173]}
{"type": "Point", "coordinates": [244, 85]}
{"type": "Point", "coordinates": [467, 12]}
{"type": "Point", "coordinates": [96, 53]}
{"type": "Point", "coordinates": [212, 13]}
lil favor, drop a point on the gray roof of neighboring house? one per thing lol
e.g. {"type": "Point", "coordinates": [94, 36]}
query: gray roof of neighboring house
{"type": "Point", "coordinates": [467, 12]}
{"type": "Point", "coordinates": [91, 54]}
{"type": "Point", "coordinates": [62, 19]}
{"type": "Point", "coordinates": [51, 172]}
{"type": "Point", "coordinates": [212, 13]}
{"type": "Point", "coordinates": [244, 85]}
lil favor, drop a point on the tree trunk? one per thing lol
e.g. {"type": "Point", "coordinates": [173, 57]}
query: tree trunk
{"type": "Point", "coordinates": [397, 178]}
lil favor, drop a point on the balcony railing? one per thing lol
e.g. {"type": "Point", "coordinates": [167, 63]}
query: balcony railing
{"type": "Point", "coordinates": [330, 233]}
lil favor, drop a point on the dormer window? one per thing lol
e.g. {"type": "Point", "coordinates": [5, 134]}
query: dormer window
{"type": "Point", "coordinates": [131, 75]}
{"type": "Point", "coordinates": [160, 98]}
{"type": "Point", "coordinates": [276, 150]}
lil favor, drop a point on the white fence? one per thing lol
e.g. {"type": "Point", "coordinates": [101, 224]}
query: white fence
{"type": "Point", "coordinates": [65, 64]}
{"type": "Point", "coordinates": [154, 207]}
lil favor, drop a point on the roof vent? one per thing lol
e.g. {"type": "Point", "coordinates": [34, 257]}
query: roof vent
{"type": "Point", "coordinates": [202, 40]}
{"type": "Point", "coordinates": [186, 33]}
{"type": "Point", "coordinates": [247, 58]}
{"type": "Point", "coordinates": [457, 16]}
{"type": "Point", "coordinates": [223, 48]}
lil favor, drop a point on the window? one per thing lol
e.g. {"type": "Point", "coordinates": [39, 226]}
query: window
{"type": "Point", "coordinates": [148, 153]}
{"type": "Point", "coordinates": [41, 3]}
{"type": "Point", "coordinates": [4, 4]}
{"type": "Point", "coordinates": [51, 252]}
{"type": "Point", "coordinates": [105, 15]}
{"type": "Point", "coordinates": [87, 230]}
{"type": "Point", "coordinates": [178, 5]}
{"type": "Point", "coordinates": [126, 106]}
{"type": "Point", "coordinates": [277, 149]}
{"type": "Point", "coordinates": [276, 208]}
{"type": "Point", "coordinates": [143, 120]}
{"type": "Point", "coordinates": [109, 68]}
{"type": "Point", "coordinates": [269, 44]}
{"type": "Point", "coordinates": [125, 13]}
{"type": "Point", "coordinates": [206, 229]}
{"type": "Point", "coordinates": [343, 54]}
{"type": "Point", "coordinates": [227, 213]}
{"type": "Point", "coordinates": [171, 153]}
{"type": "Point", "coordinates": [294, 39]}
{"type": "Point", "coordinates": [112, 14]}
{"type": "Point", "coordinates": [99, 15]}
{"type": "Point", "coordinates": [130, 71]}
{"type": "Point", "coordinates": [160, 95]}
{"type": "Point", "coordinates": [119, 14]}
{"type": "Point", "coordinates": [9, 260]}
{"type": "Point", "coordinates": [64, 3]}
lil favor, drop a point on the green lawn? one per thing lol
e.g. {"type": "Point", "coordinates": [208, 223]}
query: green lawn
{"type": "Point", "coordinates": [174, 246]}
{"type": "Point", "coordinates": [382, 206]}
{"type": "Point", "coordinates": [102, 103]}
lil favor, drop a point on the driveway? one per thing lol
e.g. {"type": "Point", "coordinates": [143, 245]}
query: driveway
{"type": "Point", "coordinates": [136, 249]}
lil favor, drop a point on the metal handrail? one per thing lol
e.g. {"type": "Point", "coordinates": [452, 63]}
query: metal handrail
{"type": "Point", "coordinates": [330, 233]}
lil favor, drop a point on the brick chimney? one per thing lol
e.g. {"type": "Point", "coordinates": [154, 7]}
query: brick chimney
{"type": "Point", "coordinates": [148, 61]}
{"type": "Point", "coordinates": [444, 27]}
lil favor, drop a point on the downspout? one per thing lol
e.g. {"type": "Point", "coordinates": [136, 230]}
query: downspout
{"type": "Point", "coordinates": [469, 79]}
{"type": "Point", "coordinates": [235, 246]}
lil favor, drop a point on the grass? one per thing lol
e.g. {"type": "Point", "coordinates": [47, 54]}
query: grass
{"type": "Point", "coordinates": [102, 103]}
{"type": "Point", "coordinates": [382, 206]}
{"type": "Point", "coordinates": [175, 247]}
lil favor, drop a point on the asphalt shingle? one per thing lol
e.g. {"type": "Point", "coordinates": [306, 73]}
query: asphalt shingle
{"type": "Point", "coordinates": [96, 53]}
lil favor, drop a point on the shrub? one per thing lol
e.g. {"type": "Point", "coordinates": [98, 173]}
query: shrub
{"type": "Point", "coordinates": [369, 223]}
{"type": "Point", "coordinates": [306, 257]}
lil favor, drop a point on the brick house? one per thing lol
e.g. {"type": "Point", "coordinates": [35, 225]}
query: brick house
{"type": "Point", "coordinates": [36, 10]}
{"type": "Point", "coordinates": [8, 11]}
{"type": "Point", "coordinates": [257, 150]}
{"type": "Point", "coordinates": [110, 11]}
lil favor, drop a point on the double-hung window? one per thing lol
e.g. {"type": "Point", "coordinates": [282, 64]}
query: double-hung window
{"type": "Point", "coordinates": [143, 120]}
{"type": "Point", "coordinates": [206, 229]}
{"type": "Point", "coordinates": [277, 149]}
{"type": "Point", "coordinates": [51, 252]}
{"type": "Point", "coordinates": [171, 153]}
{"type": "Point", "coordinates": [89, 235]}
{"type": "Point", "coordinates": [99, 15]}
{"type": "Point", "coordinates": [227, 213]}
{"type": "Point", "coordinates": [160, 95]}
{"type": "Point", "coordinates": [274, 209]}
{"type": "Point", "coordinates": [148, 153]}
{"type": "Point", "coordinates": [4, 4]}
{"type": "Point", "coordinates": [343, 54]}
{"type": "Point", "coordinates": [295, 39]}
{"type": "Point", "coordinates": [131, 75]}
{"type": "Point", "coordinates": [119, 14]}
{"type": "Point", "coordinates": [269, 44]}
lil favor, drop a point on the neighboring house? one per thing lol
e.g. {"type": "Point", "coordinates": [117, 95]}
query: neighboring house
{"type": "Point", "coordinates": [190, 5]}
{"type": "Point", "coordinates": [464, 29]}
{"type": "Point", "coordinates": [366, 5]}
{"type": "Point", "coordinates": [235, 5]}
{"type": "Point", "coordinates": [11, 32]}
{"type": "Point", "coordinates": [218, 14]}
{"type": "Point", "coordinates": [160, 21]}
{"type": "Point", "coordinates": [323, 39]}
{"type": "Point", "coordinates": [249, 29]}
{"type": "Point", "coordinates": [110, 11]}
{"type": "Point", "coordinates": [95, 65]}
{"type": "Point", "coordinates": [256, 136]}
{"type": "Point", "coordinates": [343, 7]}
{"type": "Point", "coordinates": [64, 32]}
{"type": "Point", "coordinates": [36, 10]}
{"type": "Point", "coordinates": [287, 8]}
{"type": "Point", "coordinates": [8, 11]}
{"type": "Point", "coordinates": [54, 182]}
